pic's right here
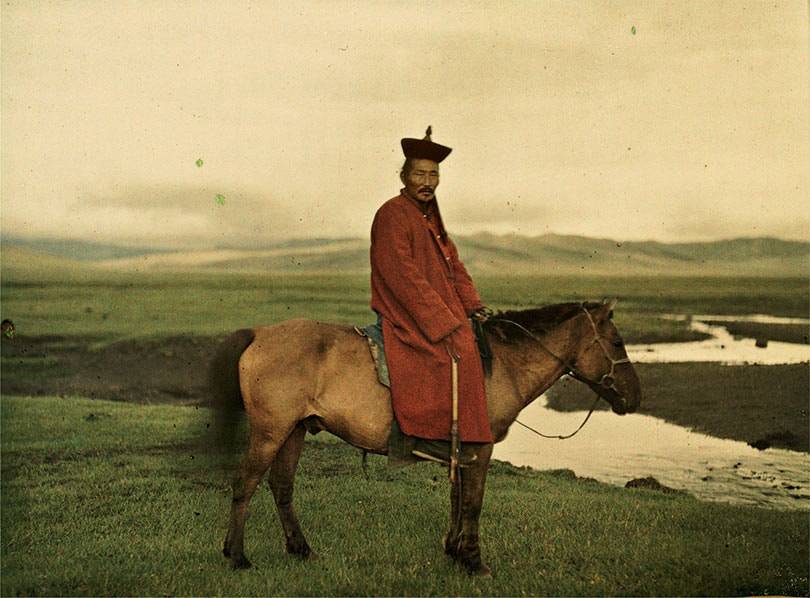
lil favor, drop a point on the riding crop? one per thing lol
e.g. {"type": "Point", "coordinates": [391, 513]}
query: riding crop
{"type": "Point", "coordinates": [454, 444]}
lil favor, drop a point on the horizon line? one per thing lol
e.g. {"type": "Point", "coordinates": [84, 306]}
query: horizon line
{"type": "Point", "coordinates": [202, 244]}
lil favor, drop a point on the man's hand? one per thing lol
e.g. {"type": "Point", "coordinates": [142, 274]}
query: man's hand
{"type": "Point", "coordinates": [482, 314]}
{"type": "Point", "coordinates": [450, 346]}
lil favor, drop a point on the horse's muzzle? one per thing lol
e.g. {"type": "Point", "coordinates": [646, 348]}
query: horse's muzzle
{"type": "Point", "coordinates": [622, 405]}
{"type": "Point", "coordinates": [619, 405]}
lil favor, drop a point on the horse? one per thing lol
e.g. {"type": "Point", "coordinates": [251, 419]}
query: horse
{"type": "Point", "coordinates": [303, 375]}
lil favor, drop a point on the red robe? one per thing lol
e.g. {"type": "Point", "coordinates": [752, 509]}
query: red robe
{"type": "Point", "coordinates": [423, 292]}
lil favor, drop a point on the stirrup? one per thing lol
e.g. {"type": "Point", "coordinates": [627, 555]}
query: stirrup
{"type": "Point", "coordinates": [435, 459]}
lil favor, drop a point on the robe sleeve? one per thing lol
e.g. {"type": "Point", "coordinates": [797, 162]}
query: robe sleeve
{"type": "Point", "coordinates": [392, 258]}
{"type": "Point", "coordinates": [463, 283]}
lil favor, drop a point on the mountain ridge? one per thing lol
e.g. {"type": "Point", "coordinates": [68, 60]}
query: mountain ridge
{"type": "Point", "coordinates": [482, 253]}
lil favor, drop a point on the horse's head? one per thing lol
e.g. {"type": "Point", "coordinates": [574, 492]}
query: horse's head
{"type": "Point", "coordinates": [601, 360]}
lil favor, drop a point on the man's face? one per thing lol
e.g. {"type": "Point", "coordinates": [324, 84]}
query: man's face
{"type": "Point", "coordinates": [422, 179]}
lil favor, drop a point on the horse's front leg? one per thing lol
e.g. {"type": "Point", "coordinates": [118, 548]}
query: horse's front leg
{"type": "Point", "coordinates": [473, 480]}
{"type": "Point", "coordinates": [453, 534]}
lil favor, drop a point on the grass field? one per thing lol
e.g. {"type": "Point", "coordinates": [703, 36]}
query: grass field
{"type": "Point", "coordinates": [102, 498]}
{"type": "Point", "coordinates": [107, 498]}
{"type": "Point", "coordinates": [118, 305]}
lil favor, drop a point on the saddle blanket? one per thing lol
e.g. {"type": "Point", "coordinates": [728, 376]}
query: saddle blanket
{"type": "Point", "coordinates": [374, 334]}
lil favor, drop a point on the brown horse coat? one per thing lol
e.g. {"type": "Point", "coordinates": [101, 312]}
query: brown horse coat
{"type": "Point", "coordinates": [424, 294]}
{"type": "Point", "coordinates": [301, 375]}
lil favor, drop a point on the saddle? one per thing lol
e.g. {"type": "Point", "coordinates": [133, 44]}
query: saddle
{"type": "Point", "coordinates": [376, 345]}
{"type": "Point", "coordinates": [402, 448]}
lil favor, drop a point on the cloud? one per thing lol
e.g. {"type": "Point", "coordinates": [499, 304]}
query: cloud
{"type": "Point", "coordinates": [560, 118]}
{"type": "Point", "coordinates": [702, 221]}
{"type": "Point", "coordinates": [183, 215]}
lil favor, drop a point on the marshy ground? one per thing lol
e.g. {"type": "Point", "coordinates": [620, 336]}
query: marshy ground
{"type": "Point", "coordinates": [758, 404]}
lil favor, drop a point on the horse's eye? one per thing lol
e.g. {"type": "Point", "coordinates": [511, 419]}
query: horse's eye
{"type": "Point", "coordinates": [618, 343]}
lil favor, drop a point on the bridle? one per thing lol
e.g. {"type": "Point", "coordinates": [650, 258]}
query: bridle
{"type": "Point", "coordinates": [607, 381]}
{"type": "Point", "coordinates": [608, 376]}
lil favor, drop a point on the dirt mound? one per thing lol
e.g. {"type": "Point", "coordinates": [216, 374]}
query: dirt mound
{"type": "Point", "coordinates": [172, 369]}
{"type": "Point", "coordinates": [650, 483]}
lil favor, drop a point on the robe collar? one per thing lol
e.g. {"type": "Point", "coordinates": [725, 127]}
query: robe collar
{"type": "Point", "coordinates": [428, 209]}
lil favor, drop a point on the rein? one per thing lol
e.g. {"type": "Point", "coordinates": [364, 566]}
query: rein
{"type": "Point", "coordinates": [602, 382]}
{"type": "Point", "coordinates": [567, 436]}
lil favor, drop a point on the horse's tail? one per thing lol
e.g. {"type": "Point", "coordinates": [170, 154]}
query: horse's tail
{"type": "Point", "coordinates": [223, 380]}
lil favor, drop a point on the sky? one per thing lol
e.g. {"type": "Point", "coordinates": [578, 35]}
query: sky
{"type": "Point", "coordinates": [668, 120]}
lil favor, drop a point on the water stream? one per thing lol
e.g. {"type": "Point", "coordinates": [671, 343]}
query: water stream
{"type": "Point", "coordinates": [722, 347]}
{"type": "Point", "coordinates": [616, 449]}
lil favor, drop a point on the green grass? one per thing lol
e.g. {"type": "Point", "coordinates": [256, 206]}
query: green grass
{"type": "Point", "coordinates": [117, 305]}
{"type": "Point", "coordinates": [115, 503]}
{"type": "Point", "coordinates": [125, 502]}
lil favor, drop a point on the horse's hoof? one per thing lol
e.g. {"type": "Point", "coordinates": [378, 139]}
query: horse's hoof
{"type": "Point", "coordinates": [226, 550]}
{"type": "Point", "coordinates": [482, 571]}
{"type": "Point", "coordinates": [302, 550]}
{"type": "Point", "coordinates": [240, 562]}
{"type": "Point", "coordinates": [475, 568]}
{"type": "Point", "coordinates": [451, 547]}
{"type": "Point", "coordinates": [309, 555]}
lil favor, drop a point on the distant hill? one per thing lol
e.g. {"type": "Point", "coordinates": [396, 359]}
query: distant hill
{"type": "Point", "coordinates": [20, 262]}
{"type": "Point", "coordinates": [565, 254]}
{"type": "Point", "coordinates": [483, 253]}
{"type": "Point", "coordinates": [83, 251]}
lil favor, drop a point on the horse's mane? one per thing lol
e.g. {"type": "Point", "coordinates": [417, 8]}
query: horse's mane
{"type": "Point", "coordinates": [539, 320]}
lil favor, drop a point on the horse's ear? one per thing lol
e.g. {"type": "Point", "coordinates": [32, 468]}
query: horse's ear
{"type": "Point", "coordinates": [605, 311]}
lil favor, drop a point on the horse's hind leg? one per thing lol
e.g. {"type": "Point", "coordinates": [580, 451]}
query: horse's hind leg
{"type": "Point", "coordinates": [282, 477]}
{"type": "Point", "coordinates": [258, 459]}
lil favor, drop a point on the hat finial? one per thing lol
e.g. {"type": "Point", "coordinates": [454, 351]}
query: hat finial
{"type": "Point", "coordinates": [428, 133]}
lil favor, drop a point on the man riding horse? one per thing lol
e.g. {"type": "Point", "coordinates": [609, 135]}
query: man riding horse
{"type": "Point", "coordinates": [425, 296]}
{"type": "Point", "coordinates": [322, 378]}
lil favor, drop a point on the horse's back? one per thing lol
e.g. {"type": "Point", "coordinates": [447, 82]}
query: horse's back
{"type": "Point", "coordinates": [308, 370]}
{"type": "Point", "coordinates": [300, 338]}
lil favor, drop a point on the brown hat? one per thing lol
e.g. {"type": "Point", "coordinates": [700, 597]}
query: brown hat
{"type": "Point", "coordinates": [424, 148]}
